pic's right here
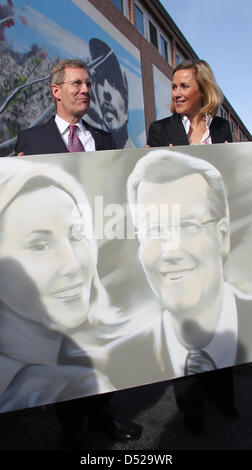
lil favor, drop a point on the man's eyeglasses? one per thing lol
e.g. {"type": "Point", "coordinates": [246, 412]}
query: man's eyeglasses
{"type": "Point", "coordinates": [78, 83]}
{"type": "Point", "coordinates": [163, 231]}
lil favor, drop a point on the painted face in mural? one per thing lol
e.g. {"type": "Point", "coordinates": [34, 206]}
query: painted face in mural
{"type": "Point", "coordinates": [112, 104]}
{"type": "Point", "coordinates": [186, 94]}
{"type": "Point", "coordinates": [189, 277]}
{"type": "Point", "coordinates": [73, 96]}
{"type": "Point", "coordinates": [46, 262]}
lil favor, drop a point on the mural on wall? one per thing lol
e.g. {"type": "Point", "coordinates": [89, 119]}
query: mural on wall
{"type": "Point", "coordinates": [109, 286]}
{"type": "Point", "coordinates": [34, 35]}
{"type": "Point", "coordinates": [162, 92]}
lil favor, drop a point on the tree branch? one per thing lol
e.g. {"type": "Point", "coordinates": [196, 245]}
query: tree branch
{"type": "Point", "coordinates": [39, 120]}
{"type": "Point", "coordinates": [24, 85]}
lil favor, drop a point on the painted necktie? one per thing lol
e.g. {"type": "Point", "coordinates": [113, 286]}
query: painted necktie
{"type": "Point", "coordinates": [74, 143]}
{"type": "Point", "coordinates": [198, 361]}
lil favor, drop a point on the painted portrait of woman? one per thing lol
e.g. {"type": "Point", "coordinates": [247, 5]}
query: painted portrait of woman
{"type": "Point", "coordinates": [50, 293]}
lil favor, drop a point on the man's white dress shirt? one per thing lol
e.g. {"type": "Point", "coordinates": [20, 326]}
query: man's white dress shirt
{"type": "Point", "coordinates": [223, 346]}
{"type": "Point", "coordinates": [83, 133]}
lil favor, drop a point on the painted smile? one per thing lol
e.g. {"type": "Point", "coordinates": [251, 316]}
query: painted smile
{"type": "Point", "coordinates": [178, 274]}
{"type": "Point", "coordinates": [69, 293]}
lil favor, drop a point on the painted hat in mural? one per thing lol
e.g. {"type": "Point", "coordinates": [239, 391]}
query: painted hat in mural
{"type": "Point", "coordinates": [105, 65]}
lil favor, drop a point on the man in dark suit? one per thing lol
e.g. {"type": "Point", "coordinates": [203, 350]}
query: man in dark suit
{"type": "Point", "coordinates": [198, 327]}
{"type": "Point", "coordinates": [143, 355]}
{"type": "Point", "coordinates": [71, 91]}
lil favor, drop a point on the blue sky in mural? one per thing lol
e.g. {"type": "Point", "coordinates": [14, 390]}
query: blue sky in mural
{"type": "Point", "coordinates": [65, 32]}
{"type": "Point", "coordinates": [70, 18]}
{"type": "Point", "coordinates": [218, 31]}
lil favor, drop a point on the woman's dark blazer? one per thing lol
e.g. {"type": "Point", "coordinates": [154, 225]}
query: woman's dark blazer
{"type": "Point", "coordinates": [170, 130]}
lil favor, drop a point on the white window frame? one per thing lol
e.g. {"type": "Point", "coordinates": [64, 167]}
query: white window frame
{"type": "Point", "coordinates": [146, 19]}
{"type": "Point", "coordinates": [125, 11]}
{"type": "Point", "coordinates": [223, 112]}
{"type": "Point", "coordinates": [139, 6]}
{"type": "Point", "coordinates": [154, 26]}
{"type": "Point", "coordinates": [181, 56]}
{"type": "Point", "coordinates": [169, 45]}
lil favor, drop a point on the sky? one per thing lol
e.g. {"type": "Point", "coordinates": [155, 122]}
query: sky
{"type": "Point", "coordinates": [219, 31]}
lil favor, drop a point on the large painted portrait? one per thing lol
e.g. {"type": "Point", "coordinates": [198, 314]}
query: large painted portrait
{"type": "Point", "coordinates": [162, 92]}
{"type": "Point", "coordinates": [122, 268]}
{"type": "Point", "coordinates": [34, 37]}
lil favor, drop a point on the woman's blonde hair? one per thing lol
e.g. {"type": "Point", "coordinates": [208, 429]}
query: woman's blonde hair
{"type": "Point", "coordinates": [211, 92]}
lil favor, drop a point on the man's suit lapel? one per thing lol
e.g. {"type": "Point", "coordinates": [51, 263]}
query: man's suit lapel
{"type": "Point", "coordinates": [96, 136]}
{"type": "Point", "coordinates": [54, 141]}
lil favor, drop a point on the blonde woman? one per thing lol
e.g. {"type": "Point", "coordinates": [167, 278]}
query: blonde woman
{"type": "Point", "coordinates": [196, 98]}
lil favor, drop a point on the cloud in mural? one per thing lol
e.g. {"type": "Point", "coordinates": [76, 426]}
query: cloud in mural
{"type": "Point", "coordinates": [67, 34]}
{"type": "Point", "coordinates": [58, 37]}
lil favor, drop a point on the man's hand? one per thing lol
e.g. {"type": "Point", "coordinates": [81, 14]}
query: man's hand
{"type": "Point", "coordinates": [20, 154]}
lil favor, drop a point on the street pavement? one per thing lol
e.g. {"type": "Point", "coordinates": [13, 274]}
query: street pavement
{"type": "Point", "coordinates": [154, 407]}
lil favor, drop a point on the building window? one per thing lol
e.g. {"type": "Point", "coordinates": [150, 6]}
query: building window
{"type": "Point", "coordinates": [153, 35]}
{"type": "Point", "coordinates": [118, 4]}
{"type": "Point", "coordinates": [242, 137]}
{"type": "Point", "coordinates": [234, 129]}
{"type": "Point", "coordinates": [223, 113]}
{"type": "Point", "coordinates": [164, 48]}
{"type": "Point", "coordinates": [179, 57]}
{"type": "Point", "coordinates": [152, 32]}
{"type": "Point", "coordinates": [139, 17]}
